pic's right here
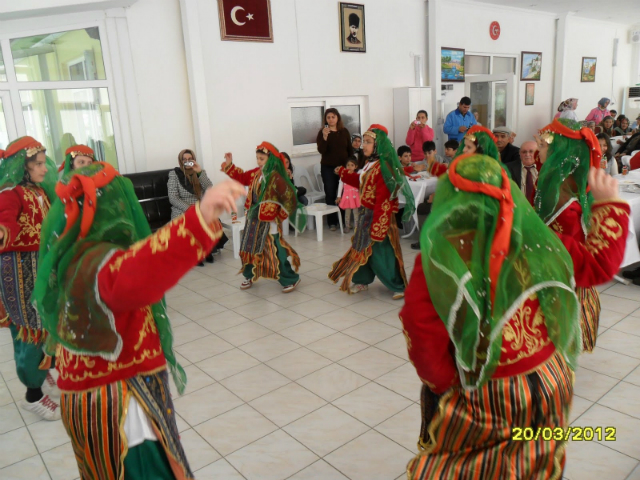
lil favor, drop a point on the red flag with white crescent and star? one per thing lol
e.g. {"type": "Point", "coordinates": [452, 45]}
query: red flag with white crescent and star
{"type": "Point", "coordinates": [245, 20]}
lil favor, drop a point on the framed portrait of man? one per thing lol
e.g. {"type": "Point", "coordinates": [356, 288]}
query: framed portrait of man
{"type": "Point", "coordinates": [352, 32]}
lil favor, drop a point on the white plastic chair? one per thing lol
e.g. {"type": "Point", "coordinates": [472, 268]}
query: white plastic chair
{"type": "Point", "coordinates": [236, 228]}
{"type": "Point", "coordinates": [317, 172]}
{"type": "Point", "coordinates": [318, 211]}
{"type": "Point", "coordinates": [300, 174]}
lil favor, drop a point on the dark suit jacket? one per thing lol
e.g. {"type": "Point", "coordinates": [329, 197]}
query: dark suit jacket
{"type": "Point", "coordinates": [510, 154]}
{"type": "Point", "coordinates": [515, 169]}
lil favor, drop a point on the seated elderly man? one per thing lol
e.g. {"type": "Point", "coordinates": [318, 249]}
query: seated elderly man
{"type": "Point", "coordinates": [525, 172]}
{"type": "Point", "coordinates": [508, 152]}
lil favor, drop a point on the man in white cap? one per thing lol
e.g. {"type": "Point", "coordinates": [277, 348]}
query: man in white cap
{"type": "Point", "coordinates": [508, 152]}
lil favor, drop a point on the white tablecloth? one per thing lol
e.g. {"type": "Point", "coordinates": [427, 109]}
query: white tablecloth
{"type": "Point", "coordinates": [421, 190]}
{"type": "Point", "coordinates": [632, 252]}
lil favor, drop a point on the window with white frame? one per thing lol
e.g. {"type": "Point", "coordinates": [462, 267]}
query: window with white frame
{"type": "Point", "coordinates": [307, 119]}
{"type": "Point", "coordinates": [59, 91]}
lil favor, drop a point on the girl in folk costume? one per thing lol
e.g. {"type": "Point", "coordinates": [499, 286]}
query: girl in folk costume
{"type": "Point", "coordinates": [492, 325]}
{"type": "Point", "coordinates": [349, 198]}
{"type": "Point", "coordinates": [76, 156]}
{"type": "Point", "coordinates": [27, 182]}
{"type": "Point", "coordinates": [375, 249]}
{"type": "Point", "coordinates": [563, 201]}
{"type": "Point", "coordinates": [101, 300]}
{"type": "Point", "coordinates": [271, 199]}
{"type": "Point", "coordinates": [478, 140]}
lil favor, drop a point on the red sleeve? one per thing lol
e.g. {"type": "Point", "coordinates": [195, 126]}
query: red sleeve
{"type": "Point", "coordinates": [598, 259]}
{"type": "Point", "coordinates": [428, 343]}
{"type": "Point", "coordinates": [141, 275]}
{"type": "Point", "coordinates": [438, 169]}
{"type": "Point", "coordinates": [409, 169]}
{"type": "Point", "coordinates": [239, 175]}
{"type": "Point", "coordinates": [352, 179]}
{"type": "Point", "coordinates": [382, 210]}
{"type": "Point", "coordinates": [411, 136]}
{"type": "Point", "coordinates": [10, 208]}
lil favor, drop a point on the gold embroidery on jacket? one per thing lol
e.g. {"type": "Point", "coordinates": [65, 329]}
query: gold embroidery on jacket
{"type": "Point", "coordinates": [524, 335]}
{"type": "Point", "coordinates": [28, 221]}
{"type": "Point", "coordinates": [149, 326]}
{"type": "Point", "coordinates": [604, 228]}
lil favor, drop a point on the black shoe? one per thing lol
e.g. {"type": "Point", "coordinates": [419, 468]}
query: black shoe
{"type": "Point", "coordinates": [636, 281]}
{"type": "Point", "coordinates": [632, 274]}
{"type": "Point", "coordinates": [209, 258]}
{"type": "Point", "coordinates": [415, 246]}
{"type": "Point", "coordinates": [201, 264]}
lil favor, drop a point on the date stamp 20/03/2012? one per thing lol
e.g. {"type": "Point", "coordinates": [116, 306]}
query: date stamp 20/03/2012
{"type": "Point", "coordinates": [576, 434]}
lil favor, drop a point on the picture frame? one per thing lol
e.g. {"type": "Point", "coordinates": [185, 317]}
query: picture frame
{"type": "Point", "coordinates": [353, 37]}
{"type": "Point", "coordinates": [452, 64]}
{"type": "Point", "coordinates": [529, 94]}
{"type": "Point", "coordinates": [588, 71]}
{"type": "Point", "coordinates": [251, 23]}
{"type": "Point", "coordinates": [530, 66]}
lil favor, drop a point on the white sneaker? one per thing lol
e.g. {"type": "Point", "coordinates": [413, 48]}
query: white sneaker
{"type": "Point", "coordinates": [246, 284]}
{"type": "Point", "coordinates": [45, 407]}
{"type": "Point", "coordinates": [357, 288]}
{"type": "Point", "coordinates": [50, 386]}
{"type": "Point", "coordinates": [290, 288]}
{"type": "Point", "coordinates": [398, 295]}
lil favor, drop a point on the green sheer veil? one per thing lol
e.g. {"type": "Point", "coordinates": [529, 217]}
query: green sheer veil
{"type": "Point", "coordinates": [484, 252]}
{"type": "Point", "coordinates": [72, 253]}
{"type": "Point", "coordinates": [485, 142]}
{"type": "Point", "coordinates": [13, 165]}
{"type": "Point", "coordinates": [71, 153]}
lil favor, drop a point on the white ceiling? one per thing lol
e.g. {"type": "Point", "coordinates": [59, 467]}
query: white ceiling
{"type": "Point", "coordinates": [626, 12]}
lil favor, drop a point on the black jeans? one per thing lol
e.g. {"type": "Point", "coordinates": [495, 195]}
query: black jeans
{"type": "Point", "coordinates": [331, 182]}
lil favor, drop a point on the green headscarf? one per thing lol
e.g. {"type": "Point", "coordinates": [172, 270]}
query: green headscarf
{"type": "Point", "coordinates": [71, 153]}
{"type": "Point", "coordinates": [391, 168]}
{"type": "Point", "coordinates": [572, 151]}
{"type": "Point", "coordinates": [485, 142]}
{"type": "Point", "coordinates": [13, 166]}
{"type": "Point", "coordinates": [467, 241]}
{"type": "Point", "coordinates": [66, 285]}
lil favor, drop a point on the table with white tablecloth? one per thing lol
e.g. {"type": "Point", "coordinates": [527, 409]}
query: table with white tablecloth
{"type": "Point", "coordinates": [421, 189]}
{"type": "Point", "coordinates": [632, 252]}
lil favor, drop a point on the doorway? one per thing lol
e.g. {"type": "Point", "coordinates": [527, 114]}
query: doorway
{"type": "Point", "coordinates": [492, 97]}
{"type": "Point", "coordinates": [8, 131]}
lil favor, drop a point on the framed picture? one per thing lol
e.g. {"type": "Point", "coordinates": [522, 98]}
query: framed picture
{"type": "Point", "coordinates": [452, 63]}
{"type": "Point", "coordinates": [530, 92]}
{"type": "Point", "coordinates": [353, 37]}
{"type": "Point", "coordinates": [588, 73]}
{"type": "Point", "coordinates": [249, 22]}
{"type": "Point", "coordinates": [531, 66]}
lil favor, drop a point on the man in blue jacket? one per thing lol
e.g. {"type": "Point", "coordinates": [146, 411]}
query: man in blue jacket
{"type": "Point", "coordinates": [460, 120]}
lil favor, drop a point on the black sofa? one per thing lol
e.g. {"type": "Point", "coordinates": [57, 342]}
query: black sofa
{"type": "Point", "coordinates": [151, 190]}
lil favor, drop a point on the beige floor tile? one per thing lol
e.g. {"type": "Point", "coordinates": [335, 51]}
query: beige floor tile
{"type": "Point", "coordinates": [61, 463]}
{"type": "Point", "coordinates": [18, 392]}
{"type": "Point", "coordinates": [343, 299]}
{"type": "Point", "coordinates": [281, 320]}
{"type": "Point", "coordinates": [403, 380]}
{"type": "Point", "coordinates": [16, 446]}
{"type": "Point", "coordinates": [5, 337]}
{"type": "Point", "coordinates": [404, 427]}
{"type": "Point", "coordinates": [264, 288]}
{"type": "Point", "coordinates": [319, 470]}
{"type": "Point", "coordinates": [579, 405]}
{"type": "Point", "coordinates": [222, 290]}
{"type": "Point", "coordinates": [204, 404]}
{"type": "Point", "coordinates": [625, 398]}
{"type": "Point", "coordinates": [48, 435]}
{"type": "Point", "coordinates": [219, 470]}
{"type": "Point", "coordinates": [592, 385]}
{"type": "Point", "coordinates": [325, 430]}
{"type": "Point", "coordinates": [396, 345]}
{"type": "Point", "coordinates": [620, 342]}
{"type": "Point", "coordinates": [629, 325]}
{"type": "Point", "coordinates": [318, 289]}
{"type": "Point", "coordinates": [372, 308]}
{"type": "Point", "coordinates": [255, 382]}
{"type": "Point", "coordinates": [186, 300]}
{"type": "Point", "coordinates": [287, 404]}
{"type": "Point", "coordinates": [371, 331]}
{"type": "Point", "coordinates": [606, 286]}
{"type": "Point", "coordinates": [30, 469]}
{"type": "Point", "coordinates": [5, 394]}
{"type": "Point", "coordinates": [371, 456]}
{"type": "Point", "coordinates": [608, 362]}
{"type": "Point", "coordinates": [341, 319]}
{"type": "Point", "coordinates": [8, 370]}
{"type": "Point", "coordinates": [269, 347]}
{"type": "Point", "coordinates": [181, 424]}
{"type": "Point", "coordinates": [237, 299]}
{"type": "Point", "coordinates": [307, 332]}
{"type": "Point", "coordinates": [372, 362]}
{"type": "Point", "coordinates": [627, 429]}
{"type": "Point", "coordinates": [290, 299]}
{"type": "Point", "coordinates": [257, 309]}
{"type": "Point", "coordinates": [372, 404]}
{"type": "Point", "coordinates": [199, 452]}
{"type": "Point", "coordinates": [227, 364]}
{"type": "Point", "coordinates": [176, 318]}
{"type": "Point", "coordinates": [202, 348]}
{"type": "Point", "coordinates": [10, 418]}
{"type": "Point", "coordinates": [391, 318]}
{"type": "Point", "coordinates": [313, 308]}
{"type": "Point", "coordinates": [593, 461]}
{"type": "Point", "coordinates": [200, 284]}
{"type": "Point", "coordinates": [617, 304]}
{"type": "Point", "coordinates": [188, 333]}
{"type": "Point", "coordinates": [196, 379]}
{"type": "Point", "coordinates": [235, 429]}
{"type": "Point", "coordinates": [635, 475]}
{"type": "Point", "coordinates": [244, 333]}
{"type": "Point", "coordinates": [630, 292]}
{"type": "Point", "coordinates": [297, 364]}
{"type": "Point", "coordinates": [200, 310]}
{"type": "Point", "coordinates": [274, 457]}
{"type": "Point", "coordinates": [633, 377]}
{"type": "Point", "coordinates": [608, 318]}
{"type": "Point", "coordinates": [222, 321]}
{"type": "Point", "coordinates": [332, 382]}
{"type": "Point", "coordinates": [337, 346]}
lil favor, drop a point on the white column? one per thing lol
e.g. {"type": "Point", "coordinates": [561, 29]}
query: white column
{"type": "Point", "coordinates": [434, 68]}
{"type": "Point", "coordinates": [197, 81]}
{"type": "Point", "coordinates": [561, 53]}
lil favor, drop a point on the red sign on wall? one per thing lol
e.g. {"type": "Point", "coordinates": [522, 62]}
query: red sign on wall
{"type": "Point", "coordinates": [245, 20]}
{"type": "Point", "coordinates": [494, 30]}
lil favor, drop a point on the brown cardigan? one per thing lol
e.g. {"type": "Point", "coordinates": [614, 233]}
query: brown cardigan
{"type": "Point", "coordinates": [336, 148]}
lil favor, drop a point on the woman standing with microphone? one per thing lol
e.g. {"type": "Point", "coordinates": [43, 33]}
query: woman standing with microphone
{"type": "Point", "coordinates": [334, 144]}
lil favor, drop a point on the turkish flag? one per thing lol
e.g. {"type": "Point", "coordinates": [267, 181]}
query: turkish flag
{"type": "Point", "coordinates": [245, 20]}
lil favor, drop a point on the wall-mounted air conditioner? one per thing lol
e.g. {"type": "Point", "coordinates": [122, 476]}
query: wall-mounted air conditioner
{"type": "Point", "coordinates": [631, 103]}
{"type": "Point", "coordinates": [634, 36]}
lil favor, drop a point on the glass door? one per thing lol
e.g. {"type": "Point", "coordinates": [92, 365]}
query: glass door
{"type": "Point", "coordinates": [8, 131]}
{"type": "Point", "coordinates": [492, 99]}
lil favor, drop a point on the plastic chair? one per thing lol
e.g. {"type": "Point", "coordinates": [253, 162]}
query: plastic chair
{"type": "Point", "coordinates": [321, 210]}
{"type": "Point", "coordinates": [235, 228]}
{"type": "Point", "coordinates": [300, 174]}
{"type": "Point", "coordinates": [634, 162]}
{"type": "Point", "coordinates": [317, 172]}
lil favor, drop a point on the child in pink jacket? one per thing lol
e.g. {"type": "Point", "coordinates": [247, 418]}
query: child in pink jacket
{"type": "Point", "coordinates": [419, 132]}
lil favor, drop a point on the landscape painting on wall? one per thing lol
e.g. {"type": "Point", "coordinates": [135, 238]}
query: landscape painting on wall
{"type": "Point", "coordinates": [452, 61]}
{"type": "Point", "coordinates": [531, 66]}
{"type": "Point", "coordinates": [588, 69]}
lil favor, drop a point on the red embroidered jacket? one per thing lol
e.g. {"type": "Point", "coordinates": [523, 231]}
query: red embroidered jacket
{"type": "Point", "coordinates": [269, 212]}
{"type": "Point", "coordinates": [21, 217]}
{"type": "Point", "coordinates": [128, 284]}
{"type": "Point", "coordinates": [375, 196]}
{"type": "Point", "coordinates": [525, 341]}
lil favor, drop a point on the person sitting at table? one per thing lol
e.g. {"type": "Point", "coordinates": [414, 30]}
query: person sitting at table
{"type": "Point", "coordinates": [629, 146]}
{"type": "Point", "coordinates": [405, 156]}
{"type": "Point", "coordinates": [450, 148]}
{"type": "Point", "coordinates": [623, 128]}
{"type": "Point", "coordinates": [609, 162]}
{"type": "Point", "coordinates": [525, 172]}
{"type": "Point", "coordinates": [606, 126]}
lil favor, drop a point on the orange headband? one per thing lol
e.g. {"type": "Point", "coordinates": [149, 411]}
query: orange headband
{"type": "Point", "coordinates": [502, 236]}
{"type": "Point", "coordinates": [478, 129]}
{"type": "Point", "coordinates": [30, 144]}
{"type": "Point", "coordinates": [267, 148]}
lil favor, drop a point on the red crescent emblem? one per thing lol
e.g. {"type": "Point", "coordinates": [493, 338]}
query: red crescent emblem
{"type": "Point", "coordinates": [494, 30]}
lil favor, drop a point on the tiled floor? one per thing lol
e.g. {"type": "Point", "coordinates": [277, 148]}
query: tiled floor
{"type": "Point", "coordinates": [316, 384]}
